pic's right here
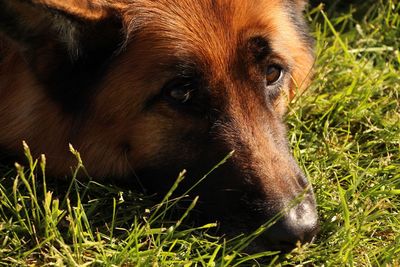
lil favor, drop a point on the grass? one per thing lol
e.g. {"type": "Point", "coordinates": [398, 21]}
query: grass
{"type": "Point", "coordinates": [345, 133]}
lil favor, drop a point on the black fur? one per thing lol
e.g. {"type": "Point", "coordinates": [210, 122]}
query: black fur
{"type": "Point", "coordinates": [71, 76]}
{"type": "Point", "coordinates": [300, 24]}
{"type": "Point", "coordinates": [67, 55]}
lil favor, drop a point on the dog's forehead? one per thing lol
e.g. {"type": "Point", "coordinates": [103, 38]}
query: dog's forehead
{"type": "Point", "coordinates": [209, 33]}
{"type": "Point", "coordinates": [206, 27]}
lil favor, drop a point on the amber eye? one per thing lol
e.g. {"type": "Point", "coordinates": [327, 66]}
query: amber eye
{"type": "Point", "coordinates": [273, 73]}
{"type": "Point", "coordinates": [179, 91]}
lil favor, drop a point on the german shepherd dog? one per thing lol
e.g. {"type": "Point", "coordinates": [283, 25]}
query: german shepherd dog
{"type": "Point", "coordinates": [146, 88]}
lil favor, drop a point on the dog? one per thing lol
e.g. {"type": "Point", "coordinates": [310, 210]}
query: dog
{"type": "Point", "coordinates": [145, 88]}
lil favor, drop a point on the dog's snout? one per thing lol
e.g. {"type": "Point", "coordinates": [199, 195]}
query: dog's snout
{"type": "Point", "coordinates": [299, 224]}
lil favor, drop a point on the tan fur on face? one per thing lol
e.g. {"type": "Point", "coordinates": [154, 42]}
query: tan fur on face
{"type": "Point", "coordinates": [163, 34]}
{"type": "Point", "coordinates": [119, 134]}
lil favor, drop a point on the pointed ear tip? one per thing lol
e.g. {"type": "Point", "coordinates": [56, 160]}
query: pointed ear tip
{"type": "Point", "coordinates": [86, 9]}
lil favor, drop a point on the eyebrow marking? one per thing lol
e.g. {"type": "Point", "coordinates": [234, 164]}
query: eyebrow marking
{"type": "Point", "coordinates": [258, 47]}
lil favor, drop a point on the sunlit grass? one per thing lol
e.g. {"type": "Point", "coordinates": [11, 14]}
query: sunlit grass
{"type": "Point", "coordinates": [346, 134]}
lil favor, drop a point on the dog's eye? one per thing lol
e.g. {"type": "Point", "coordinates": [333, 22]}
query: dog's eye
{"type": "Point", "coordinates": [273, 73]}
{"type": "Point", "coordinates": [179, 90]}
{"type": "Point", "coordinates": [181, 95]}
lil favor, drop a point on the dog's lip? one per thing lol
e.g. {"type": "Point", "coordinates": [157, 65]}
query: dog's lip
{"type": "Point", "coordinates": [265, 242]}
{"type": "Point", "coordinates": [283, 247]}
{"type": "Point", "coordinates": [264, 245]}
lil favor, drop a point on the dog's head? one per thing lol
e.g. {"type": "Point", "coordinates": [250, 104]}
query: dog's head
{"type": "Point", "coordinates": [161, 86]}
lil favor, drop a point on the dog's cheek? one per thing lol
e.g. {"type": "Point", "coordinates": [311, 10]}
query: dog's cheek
{"type": "Point", "coordinates": [281, 104]}
{"type": "Point", "coordinates": [164, 137]}
{"type": "Point", "coordinates": [301, 4]}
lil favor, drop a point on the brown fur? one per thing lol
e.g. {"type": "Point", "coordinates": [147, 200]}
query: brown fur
{"type": "Point", "coordinates": [123, 126]}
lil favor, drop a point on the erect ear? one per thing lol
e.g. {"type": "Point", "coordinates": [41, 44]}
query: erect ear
{"type": "Point", "coordinates": [65, 42]}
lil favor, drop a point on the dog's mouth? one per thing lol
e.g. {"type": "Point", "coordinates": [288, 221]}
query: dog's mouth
{"type": "Point", "coordinates": [267, 219]}
{"type": "Point", "coordinates": [273, 238]}
{"type": "Point", "coordinates": [267, 230]}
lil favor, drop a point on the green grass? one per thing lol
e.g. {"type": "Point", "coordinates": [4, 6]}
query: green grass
{"type": "Point", "coordinates": [345, 132]}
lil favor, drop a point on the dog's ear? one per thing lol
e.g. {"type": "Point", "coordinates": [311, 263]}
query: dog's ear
{"type": "Point", "coordinates": [76, 25]}
{"type": "Point", "coordinates": [65, 42]}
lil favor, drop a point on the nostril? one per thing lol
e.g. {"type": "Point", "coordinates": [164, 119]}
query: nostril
{"type": "Point", "coordinates": [300, 224]}
{"type": "Point", "coordinates": [302, 221]}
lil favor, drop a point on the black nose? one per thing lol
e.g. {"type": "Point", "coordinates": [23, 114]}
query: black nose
{"type": "Point", "coordinates": [299, 224]}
